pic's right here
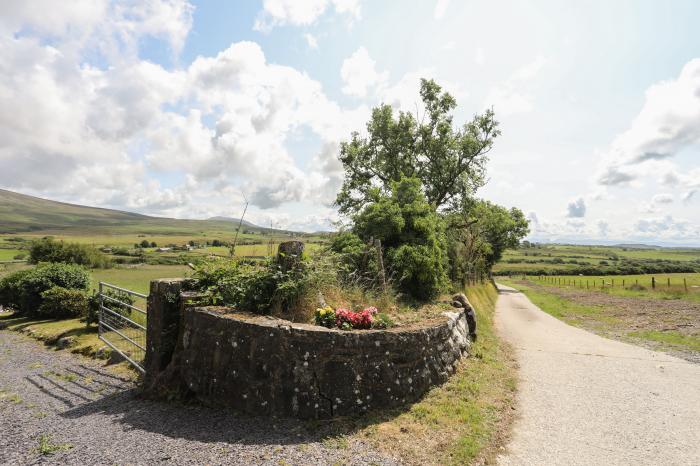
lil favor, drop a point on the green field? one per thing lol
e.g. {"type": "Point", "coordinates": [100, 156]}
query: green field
{"type": "Point", "coordinates": [138, 278]}
{"type": "Point", "coordinates": [665, 286]}
{"type": "Point", "coordinates": [596, 260]}
{"type": "Point", "coordinates": [9, 254]}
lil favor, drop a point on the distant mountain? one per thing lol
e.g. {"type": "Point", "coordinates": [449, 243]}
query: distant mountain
{"type": "Point", "coordinates": [637, 246]}
{"type": "Point", "coordinates": [22, 213]}
{"type": "Point", "coordinates": [245, 223]}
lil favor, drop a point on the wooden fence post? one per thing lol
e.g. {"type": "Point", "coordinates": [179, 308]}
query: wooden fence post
{"type": "Point", "coordinates": [653, 283]}
{"type": "Point", "coordinates": [685, 285]}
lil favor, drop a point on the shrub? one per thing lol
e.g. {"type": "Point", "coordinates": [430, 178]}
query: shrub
{"type": "Point", "coordinates": [357, 262]}
{"type": "Point", "coordinates": [23, 290]}
{"type": "Point", "coordinates": [59, 303]}
{"type": "Point", "coordinates": [49, 250]}
{"type": "Point", "coordinates": [11, 289]}
{"type": "Point", "coordinates": [412, 235]}
{"type": "Point", "coordinates": [421, 268]}
{"type": "Point", "coordinates": [19, 257]}
{"type": "Point", "coordinates": [92, 311]}
{"type": "Point", "coordinates": [264, 288]}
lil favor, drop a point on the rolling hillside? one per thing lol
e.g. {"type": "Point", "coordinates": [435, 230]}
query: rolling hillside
{"type": "Point", "coordinates": [20, 213]}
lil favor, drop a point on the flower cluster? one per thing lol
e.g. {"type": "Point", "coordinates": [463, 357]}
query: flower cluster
{"type": "Point", "coordinates": [345, 319]}
{"type": "Point", "coordinates": [325, 316]}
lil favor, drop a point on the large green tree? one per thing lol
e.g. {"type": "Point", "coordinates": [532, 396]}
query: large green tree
{"type": "Point", "coordinates": [449, 161]}
{"type": "Point", "coordinates": [480, 234]}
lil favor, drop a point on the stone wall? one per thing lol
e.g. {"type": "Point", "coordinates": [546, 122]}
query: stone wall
{"type": "Point", "coordinates": [262, 365]}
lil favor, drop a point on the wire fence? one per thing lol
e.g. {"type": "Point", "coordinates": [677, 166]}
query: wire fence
{"type": "Point", "coordinates": [678, 284]}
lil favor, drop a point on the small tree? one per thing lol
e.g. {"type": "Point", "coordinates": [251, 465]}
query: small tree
{"type": "Point", "coordinates": [450, 162]}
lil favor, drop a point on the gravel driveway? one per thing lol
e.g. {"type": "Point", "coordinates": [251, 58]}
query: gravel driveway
{"type": "Point", "coordinates": [89, 415]}
{"type": "Point", "coordinates": [587, 400]}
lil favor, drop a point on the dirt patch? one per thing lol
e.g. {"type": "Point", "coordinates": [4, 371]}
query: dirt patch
{"type": "Point", "coordinates": [621, 316]}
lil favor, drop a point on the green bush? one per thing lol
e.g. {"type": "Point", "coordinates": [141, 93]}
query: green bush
{"type": "Point", "coordinates": [412, 235]}
{"type": "Point", "coordinates": [50, 250]}
{"type": "Point", "coordinates": [92, 310]}
{"type": "Point", "coordinates": [12, 289]}
{"type": "Point", "coordinates": [421, 269]}
{"type": "Point", "coordinates": [263, 287]}
{"type": "Point", "coordinates": [357, 261]}
{"type": "Point", "coordinates": [59, 303]}
{"type": "Point", "coordinates": [22, 290]}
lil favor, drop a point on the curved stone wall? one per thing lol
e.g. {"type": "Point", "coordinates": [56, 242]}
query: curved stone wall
{"type": "Point", "coordinates": [263, 365]}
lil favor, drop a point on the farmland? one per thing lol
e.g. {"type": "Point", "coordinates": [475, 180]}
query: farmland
{"type": "Point", "coordinates": [665, 318]}
{"type": "Point", "coordinates": [560, 259]}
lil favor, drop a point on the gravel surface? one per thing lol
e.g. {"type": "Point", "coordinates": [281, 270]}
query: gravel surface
{"type": "Point", "coordinates": [587, 400]}
{"type": "Point", "coordinates": [92, 416]}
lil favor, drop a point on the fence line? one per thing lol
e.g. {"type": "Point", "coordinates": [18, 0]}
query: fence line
{"type": "Point", "coordinates": [590, 283]}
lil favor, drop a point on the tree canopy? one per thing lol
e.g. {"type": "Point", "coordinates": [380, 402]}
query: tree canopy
{"type": "Point", "coordinates": [449, 161]}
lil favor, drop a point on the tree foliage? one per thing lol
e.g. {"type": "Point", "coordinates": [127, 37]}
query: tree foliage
{"type": "Point", "coordinates": [450, 162]}
{"type": "Point", "coordinates": [412, 235]}
{"type": "Point", "coordinates": [478, 236]}
{"type": "Point", "coordinates": [23, 290]}
{"type": "Point", "coordinates": [49, 250]}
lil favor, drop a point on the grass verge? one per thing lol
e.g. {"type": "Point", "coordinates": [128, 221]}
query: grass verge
{"type": "Point", "coordinates": [669, 339]}
{"type": "Point", "coordinates": [467, 419]}
{"type": "Point", "coordinates": [84, 340]}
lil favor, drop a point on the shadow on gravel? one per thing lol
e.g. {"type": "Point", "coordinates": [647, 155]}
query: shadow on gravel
{"type": "Point", "coordinates": [213, 425]}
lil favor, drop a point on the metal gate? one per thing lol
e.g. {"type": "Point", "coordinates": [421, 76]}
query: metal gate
{"type": "Point", "coordinates": [122, 322]}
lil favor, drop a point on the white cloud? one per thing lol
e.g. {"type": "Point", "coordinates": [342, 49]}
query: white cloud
{"type": "Point", "coordinates": [440, 8]}
{"type": "Point", "coordinates": [311, 40]}
{"type": "Point", "coordinates": [576, 208]}
{"type": "Point", "coordinates": [663, 198]}
{"type": "Point", "coordinates": [668, 123]}
{"type": "Point", "coordinates": [689, 195]}
{"type": "Point", "coordinates": [603, 228]}
{"type": "Point", "coordinates": [512, 96]}
{"type": "Point", "coordinates": [301, 12]}
{"type": "Point", "coordinates": [479, 56]}
{"type": "Point", "coordinates": [107, 134]}
{"type": "Point", "coordinates": [360, 75]}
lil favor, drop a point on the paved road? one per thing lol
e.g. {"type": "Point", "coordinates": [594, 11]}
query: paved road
{"type": "Point", "coordinates": [587, 400]}
{"type": "Point", "coordinates": [94, 414]}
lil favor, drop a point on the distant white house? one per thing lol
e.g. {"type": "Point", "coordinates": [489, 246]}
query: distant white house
{"type": "Point", "coordinates": [163, 249]}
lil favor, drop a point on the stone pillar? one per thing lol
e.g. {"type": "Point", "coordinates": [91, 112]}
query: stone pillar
{"type": "Point", "coordinates": [163, 324]}
{"type": "Point", "coordinates": [289, 254]}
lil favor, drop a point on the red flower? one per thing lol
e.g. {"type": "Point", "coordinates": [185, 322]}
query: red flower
{"type": "Point", "coordinates": [356, 320]}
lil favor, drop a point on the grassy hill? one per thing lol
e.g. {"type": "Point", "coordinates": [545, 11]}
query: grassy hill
{"type": "Point", "coordinates": [20, 213]}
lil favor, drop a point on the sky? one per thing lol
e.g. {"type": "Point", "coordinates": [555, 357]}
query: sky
{"type": "Point", "coordinates": [185, 109]}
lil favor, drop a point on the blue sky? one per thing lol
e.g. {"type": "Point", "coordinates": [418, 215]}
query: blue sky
{"type": "Point", "coordinates": [180, 108]}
